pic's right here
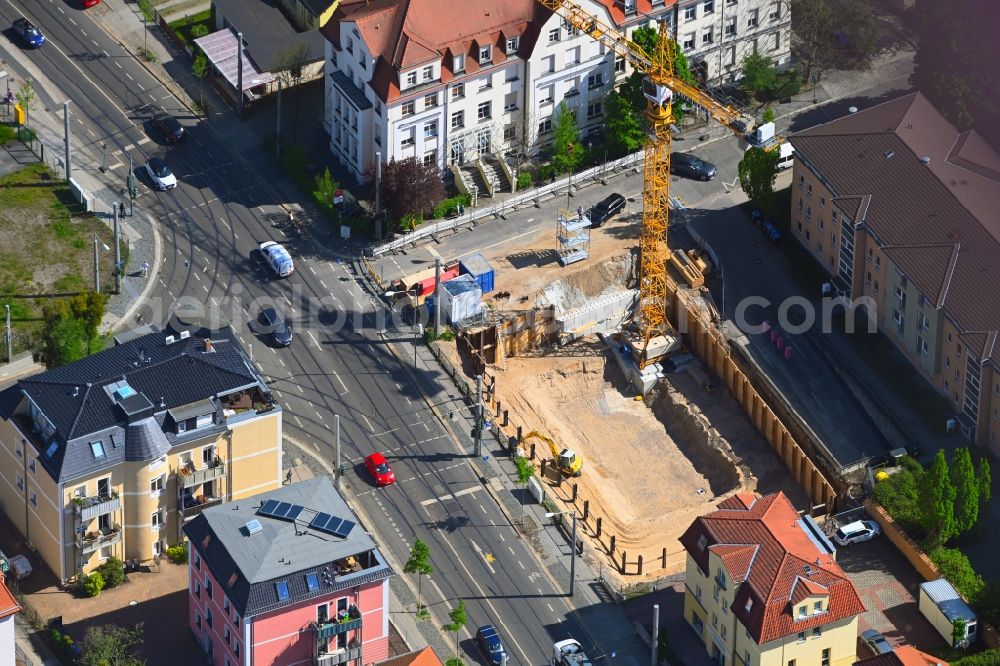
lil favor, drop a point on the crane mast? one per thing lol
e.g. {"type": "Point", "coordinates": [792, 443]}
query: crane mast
{"type": "Point", "coordinates": [659, 85]}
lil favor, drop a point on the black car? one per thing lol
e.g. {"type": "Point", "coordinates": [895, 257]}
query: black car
{"type": "Point", "coordinates": [29, 34]}
{"type": "Point", "coordinates": [607, 208]}
{"type": "Point", "coordinates": [489, 642]}
{"type": "Point", "coordinates": [273, 324]}
{"type": "Point", "coordinates": [684, 164]}
{"type": "Point", "coordinates": [169, 127]}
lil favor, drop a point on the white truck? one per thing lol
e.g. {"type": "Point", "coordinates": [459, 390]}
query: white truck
{"type": "Point", "coordinates": [766, 137]}
{"type": "Point", "coordinates": [942, 605]}
{"type": "Point", "coordinates": [569, 653]}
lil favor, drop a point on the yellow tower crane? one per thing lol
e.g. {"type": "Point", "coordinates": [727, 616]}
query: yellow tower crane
{"type": "Point", "coordinates": [659, 85]}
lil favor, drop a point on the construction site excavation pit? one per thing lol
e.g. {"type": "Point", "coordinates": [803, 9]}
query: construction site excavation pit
{"type": "Point", "coordinates": [650, 466]}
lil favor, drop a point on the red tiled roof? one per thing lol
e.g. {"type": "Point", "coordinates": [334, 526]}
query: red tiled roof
{"type": "Point", "coordinates": [736, 558]}
{"type": "Point", "coordinates": [402, 34]}
{"type": "Point", "coordinates": [8, 603]}
{"type": "Point", "coordinates": [904, 655]}
{"type": "Point", "coordinates": [645, 9]}
{"type": "Point", "coordinates": [928, 186]}
{"type": "Point", "coordinates": [785, 563]}
{"type": "Point", "coordinates": [425, 657]}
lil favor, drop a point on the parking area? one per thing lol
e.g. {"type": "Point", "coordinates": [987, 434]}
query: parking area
{"type": "Point", "coordinates": [888, 585]}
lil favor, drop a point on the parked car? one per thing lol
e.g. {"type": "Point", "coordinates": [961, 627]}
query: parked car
{"type": "Point", "coordinates": [160, 174]}
{"type": "Point", "coordinates": [29, 34]}
{"type": "Point", "coordinates": [684, 164]}
{"type": "Point", "coordinates": [89, 3]}
{"type": "Point", "coordinates": [20, 566]}
{"type": "Point", "coordinates": [489, 642]}
{"type": "Point", "coordinates": [277, 258]}
{"type": "Point", "coordinates": [380, 470]}
{"type": "Point", "coordinates": [606, 209]}
{"type": "Point", "coordinates": [856, 532]}
{"type": "Point", "coordinates": [273, 324]}
{"type": "Point", "coordinates": [875, 642]}
{"type": "Point", "coordinates": [169, 127]}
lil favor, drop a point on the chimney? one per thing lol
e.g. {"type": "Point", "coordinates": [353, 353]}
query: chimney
{"type": "Point", "coordinates": [76, 391]}
{"type": "Point", "coordinates": [208, 345]}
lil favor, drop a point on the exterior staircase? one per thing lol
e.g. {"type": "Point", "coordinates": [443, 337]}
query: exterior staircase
{"type": "Point", "coordinates": [471, 176]}
{"type": "Point", "coordinates": [494, 173]}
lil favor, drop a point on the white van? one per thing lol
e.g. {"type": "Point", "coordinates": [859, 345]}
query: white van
{"type": "Point", "coordinates": [277, 258]}
{"type": "Point", "coordinates": [786, 157]}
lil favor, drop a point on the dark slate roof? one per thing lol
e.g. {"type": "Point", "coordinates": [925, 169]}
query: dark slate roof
{"type": "Point", "coordinates": [353, 93]}
{"type": "Point", "coordinates": [79, 399]}
{"type": "Point", "coordinates": [283, 550]}
{"type": "Point", "coordinates": [267, 32]}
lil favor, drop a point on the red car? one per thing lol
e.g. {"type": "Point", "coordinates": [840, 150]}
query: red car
{"type": "Point", "coordinates": [89, 3]}
{"type": "Point", "coordinates": [380, 470]}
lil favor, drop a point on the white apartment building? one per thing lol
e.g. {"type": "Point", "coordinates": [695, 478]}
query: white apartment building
{"type": "Point", "coordinates": [451, 82]}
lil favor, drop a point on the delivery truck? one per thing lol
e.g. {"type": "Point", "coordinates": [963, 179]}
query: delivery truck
{"type": "Point", "coordinates": [942, 605]}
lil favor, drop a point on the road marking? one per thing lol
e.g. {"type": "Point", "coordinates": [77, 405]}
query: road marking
{"type": "Point", "coordinates": [106, 54]}
{"type": "Point", "coordinates": [321, 417]}
{"type": "Point", "coordinates": [519, 561]}
{"type": "Point", "coordinates": [370, 427]}
{"type": "Point", "coordinates": [499, 535]}
{"type": "Point", "coordinates": [323, 284]}
{"type": "Point", "coordinates": [386, 433]}
{"type": "Point", "coordinates": [72, 21]}
{"type": "Point", "coordinates": [467, 491]}
{"type": "Point", "coordinates": [551, 609]}
{"type": "Point", "coordinates": [118, 64]}
{"type": "Point", "coordinates": [129, 76]}
{"type": "Point", "coordinates": [483, 508]}
{"type": "Point", "coordinates": [311, 337]}
{"type": "Point", "coordinates": [486, 556]}
{"type": "Point", "coordinates": [313, 270]}
{"type": "Point", "coordinates": [297, 420]}
{"type": "Point", "coordinates": [282, 362]}
{"type": "Point", "coordinates": [301, 390]}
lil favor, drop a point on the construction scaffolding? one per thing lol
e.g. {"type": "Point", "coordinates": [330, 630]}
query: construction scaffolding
{"type": "Point", "coordinates": [573, 235]}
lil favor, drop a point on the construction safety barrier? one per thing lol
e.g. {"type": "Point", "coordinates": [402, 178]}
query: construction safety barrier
{"type": "Point", "coordinates": [497, 210]}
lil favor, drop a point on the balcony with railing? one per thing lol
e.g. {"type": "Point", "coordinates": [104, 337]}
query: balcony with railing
{"type": "Point", "coordinates": [338, 657]}
{"type": "Point", "coordinates": [190, 507]}
{"type": "Point", "coordinates": [88, 508]}
{"type": "Point", "coordinates": [90, 541]}
{"type": "Point", "coordinates": [348, 621]}
{"type": "Point", "coordinates": [189, 476]}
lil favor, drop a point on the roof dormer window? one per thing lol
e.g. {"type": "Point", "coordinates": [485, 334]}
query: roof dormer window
{"type": "Point", "coordinates": [512, 44]}
{"type": "Point", "coordinates": [458, 63]}
{"type": "Point", "coordinates": [97, 449]}
{"type": "Point", "coordinates": [411, 79]}
{"type": "Point", "coordinates": [485, 54]}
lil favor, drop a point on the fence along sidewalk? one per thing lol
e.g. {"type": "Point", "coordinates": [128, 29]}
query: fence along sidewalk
{"type": "Point", "coordinates": [497, 210]}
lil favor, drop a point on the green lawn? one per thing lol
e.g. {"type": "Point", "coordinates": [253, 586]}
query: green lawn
{"type": "Point", "coordinates": [182, 27]}
{"type": "Point", "coordinates": [46, 247]}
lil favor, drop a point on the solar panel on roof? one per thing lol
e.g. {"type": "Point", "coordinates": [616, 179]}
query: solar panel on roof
{"type": "Point", "coordinates": [344, 529]}
{"type": "Point", "coordinates": [319, 520]}
{"type": "Point", "coordinates": [282, 510]}
{"type": "Point", "coordinates": [267, 508]}
{"type": "Point", "coordinates": [294, 512]}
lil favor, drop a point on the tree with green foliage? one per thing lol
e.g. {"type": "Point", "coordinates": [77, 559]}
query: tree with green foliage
{"type": "Point", "coordinates": [326, 187]}
{"type": "Point", "coordinates": [72, 328]}
{"type": "Point", "coordinates": [963, 478]}
{"type": "Point", "coordinates": [984, 477]}
{"type": "Point", "coordinates": [419, 563]}
{"type": "Point", "coordinates": [768, 115]}
{"type": "Point", "coordinates": [816, 22]}
{"type": "Point", "coordinates": [956, 61]}
{"type": "Point", "coordinates": [91, 584]}
{"type": "Point", "coordinates": [623, 126]}
{"type": "Point", "coordinates": [759, 74]}
{"type": "Point", "coordinates": [937, 502]}
{"type": "Point", "coordinates": [955, 566]}
{"type": "Point", "coordinates": [758, 170]}
{"type": "Point", "coordinates": [148, 15]}
{"type": "Point", "coordinates": [113, 572]}
{"type": "Point", "coordinates": [459, 618]}
{"type": "Point", "coordinates": [958, 631]}
{"type": "Point", "coordinates": [410, 187]}
{"type": "Point", "coordinates": [566, 149]}
{"type": "Point", "coordinates": [899, 495]}
{"type": "Point", "coordinates": [65, 341]}
{"type": "Point", "coordinates": [112, 645]}
{"type": "Point", "coordinates": [200, 70]}
{"type": "Point", "coordinates": [25, 96]}
{"type": "Point", "coordinates": [89, 307]}
{"type": "Point", "coordinates": [649, 39]}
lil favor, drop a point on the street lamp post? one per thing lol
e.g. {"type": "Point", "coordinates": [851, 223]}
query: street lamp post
{"type": "Point", "coordinates": [572, 561]}
{"type": "Point", "coordinates": [420, 333]}
{"type": "Point", "coordinates": [97, 263]}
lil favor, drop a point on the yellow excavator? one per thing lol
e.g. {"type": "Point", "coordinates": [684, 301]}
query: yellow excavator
{"type": "Point", "coordinates": [567, 461]}
{"type": "Point", "coordinates": [658, 87]}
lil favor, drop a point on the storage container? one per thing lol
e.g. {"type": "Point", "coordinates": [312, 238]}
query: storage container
{"type": "Point", "coordinates": [461, 298]}
{"type": "Point", "coordinates": [480, 269]}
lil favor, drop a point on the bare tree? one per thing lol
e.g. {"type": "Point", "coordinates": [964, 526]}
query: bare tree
{"type": "Point", "coordinates": [288, 67]}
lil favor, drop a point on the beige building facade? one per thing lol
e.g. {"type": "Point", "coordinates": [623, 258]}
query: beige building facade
{"type": "Point", "coordinates": [94, 469]}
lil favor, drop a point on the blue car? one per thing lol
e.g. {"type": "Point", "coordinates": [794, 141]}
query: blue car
{"type": "Point", "coordinates": [489, 642]}
{"type": "Point", "coordinates": [29, 34]}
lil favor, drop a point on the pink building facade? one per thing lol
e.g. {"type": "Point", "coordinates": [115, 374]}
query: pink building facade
{"type": "Point", "coordinates": [266, 590]}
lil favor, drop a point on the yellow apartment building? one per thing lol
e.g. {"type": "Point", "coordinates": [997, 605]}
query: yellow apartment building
{"type": "Point", "coordinates": [900, 208]}
{"type": "Point", "coordinates": [112, 454]}
{"type": "Point", "coordinates": [763, 589]}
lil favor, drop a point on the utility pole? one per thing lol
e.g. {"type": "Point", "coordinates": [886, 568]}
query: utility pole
{"type": "Point", "coordinates": [277, 130]}
{"type": "Point", "coordinates": [378, 194]}
{"type": "Point", "coordinates": [572, 561]}
{"type": "Point", "coordinates": [97, 269]}
{"type": "Point", "coordinates": [437, 297]}
{"type": "Point", "coordinates": [239, 73]}
{"type": "Point", "coordinates": [118, 253]}
{"type": "Point", "coordinates": [69, 165]}
{"type": "Point", "coordinates": [336, 470]}
{"type": "Point", "coordinates": [478, 430]}
{"type": "Point", "coordinates": [10, 337]}
{"type": "Point", "coordinates": [104, 158]}
{"type": "Point", "coordinates": [656, 634]}
{"type": "Point", "coordinates": [131, 187]}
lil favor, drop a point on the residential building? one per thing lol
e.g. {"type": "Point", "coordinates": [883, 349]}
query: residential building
{"type": "Point", "coordinates": [762, 587]}
{"type": "Point", "coordinates": [900, 209]}
{"type": "Point", "coordinates": [902, 655]}
{"type": "Point", "coordinates": [286, 577]}
{"type": "Point", "coordinates": [9, 608]}
{"type": "Point", "coordinates": [425, 657]}
{"type": "Point", "coordinates": [716, 35]}
{"type": "Point", "coordinates": [281, 42]}
{"type": "Point", "coordinates": [110, 455]}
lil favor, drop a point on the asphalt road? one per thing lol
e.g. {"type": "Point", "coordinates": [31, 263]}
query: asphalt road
{"type": "Point", "coordinates": [338, 364]}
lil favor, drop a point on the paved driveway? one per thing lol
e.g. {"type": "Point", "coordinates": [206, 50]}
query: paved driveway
{"type": "Point", "coordinates": [888, 587]}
